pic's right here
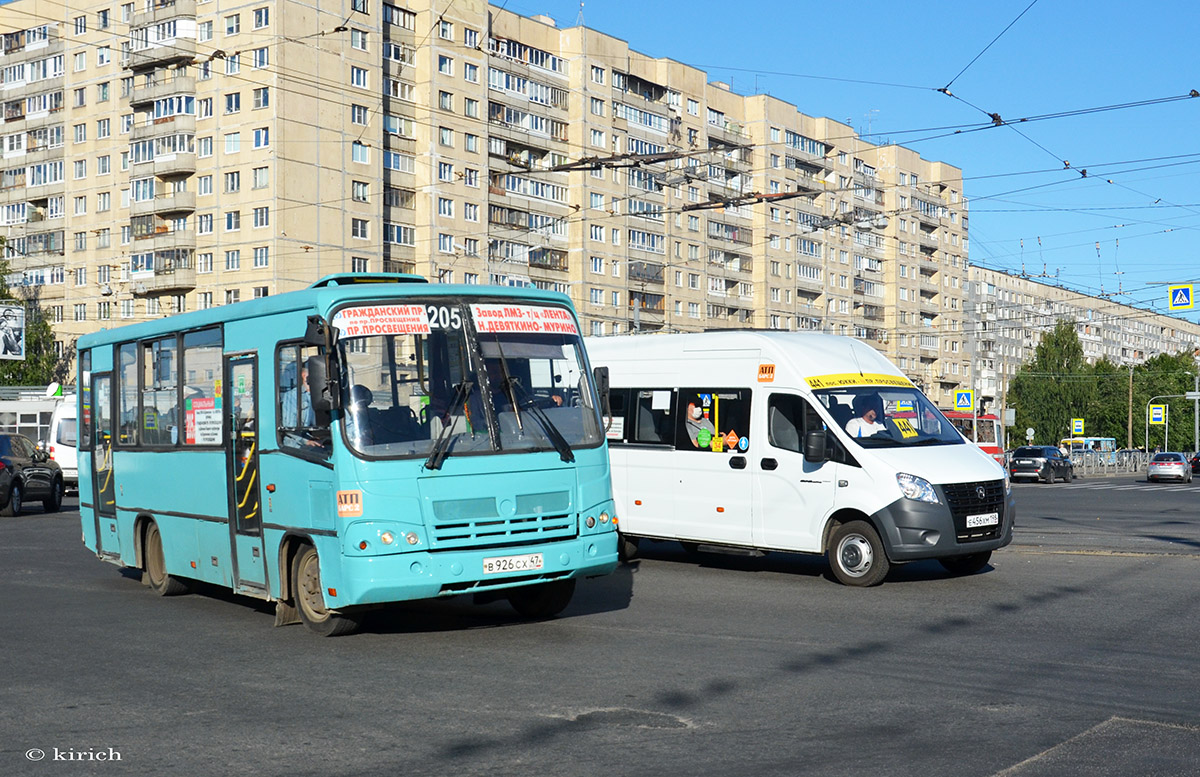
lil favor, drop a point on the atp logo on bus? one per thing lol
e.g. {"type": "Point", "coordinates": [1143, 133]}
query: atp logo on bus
{"type": "Point", "coordinates": [349, 504]}
{"type": "Point", "coordinates": [766, 373]}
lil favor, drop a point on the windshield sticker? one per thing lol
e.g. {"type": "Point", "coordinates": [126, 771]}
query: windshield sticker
{"type": "Point", "coordinates": [382, 320]}
{"type": "Point", "coordinates": [906, 428]}
{"type": "Point", "coordinates": [856, 379]}
{"type": "Point", "coordinates": [523, 318]}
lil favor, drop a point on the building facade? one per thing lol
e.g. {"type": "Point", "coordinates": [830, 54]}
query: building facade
{"type": "Point", "coordinates": [169, 155]}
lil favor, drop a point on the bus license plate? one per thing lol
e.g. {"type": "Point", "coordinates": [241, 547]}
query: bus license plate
{"type": "Point", "coordinates": [986, 519]}
{"type": "Point", "coordinates": [530, 562]}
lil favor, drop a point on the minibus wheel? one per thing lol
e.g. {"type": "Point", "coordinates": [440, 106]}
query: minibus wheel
{"type": "Point", "coordinates": [856, 555]}
{"type": "Point", "coordinates": [542, 599]}
{"type": "Point", "coordinates": [966, 565]}
{"type": "Point", "coordinates": [310, 597]}
{"type": "Point", "coordinates": [627, 547]}
{"type": "Point", "coordinates": [157, 578]}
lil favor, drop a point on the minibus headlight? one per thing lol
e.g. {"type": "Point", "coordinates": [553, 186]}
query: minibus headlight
{"type": "Point", "coordinates": [1007, 484]}
{"type": "Point", "coordinates": [590, 522]}
{"type": "Point", "coordinates": [604, 517]}
{"type": "Point", "coordinates": [915, 488]}
{"type": "Point", "coordinates": [387, 537]}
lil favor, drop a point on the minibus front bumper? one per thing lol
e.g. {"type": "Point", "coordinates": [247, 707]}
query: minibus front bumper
{"type": "Point", "coordinates": [913, 530]}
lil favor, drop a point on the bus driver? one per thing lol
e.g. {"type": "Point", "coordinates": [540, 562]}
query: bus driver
{"type": "Point", "coordinates": [868, 412]}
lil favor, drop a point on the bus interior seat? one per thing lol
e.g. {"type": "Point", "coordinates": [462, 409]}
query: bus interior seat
{"type": "Point", "coordinates": [841, 414]}
{"type": "Point", "coordinates": [394, 424]}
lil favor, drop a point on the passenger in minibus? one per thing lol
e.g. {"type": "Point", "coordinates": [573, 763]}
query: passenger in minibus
{"type": "Point", "coordinates": [868, 414]}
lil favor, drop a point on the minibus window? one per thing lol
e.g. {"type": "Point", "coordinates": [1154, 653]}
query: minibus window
{"type": "Point", "coordinates": [714, 420]}
{"type": "Point", "coordinates": [652, 417]}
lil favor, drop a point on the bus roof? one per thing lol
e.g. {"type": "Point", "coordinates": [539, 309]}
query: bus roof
{"type": "Point", "coordinates": [322, 295]}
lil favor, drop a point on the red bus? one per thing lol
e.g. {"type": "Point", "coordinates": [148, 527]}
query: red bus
{"type": "Point", "coordinates": [990, 435]}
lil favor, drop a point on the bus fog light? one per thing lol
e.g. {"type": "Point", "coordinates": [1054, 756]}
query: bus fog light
{"type": "Point", "coordinates": [387, 538]}
{"type": "Point", "coordinates": [590, 522]}
{"type": "Point", "coordinates": [412, 538]}
{"type": "Point", "coordinates": [604, 517]}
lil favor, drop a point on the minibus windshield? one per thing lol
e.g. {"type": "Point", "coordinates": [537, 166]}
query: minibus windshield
{"type": "Point", "coordinates": [438, 378]}
{"type": "Point", "coordinates": [888, 417]}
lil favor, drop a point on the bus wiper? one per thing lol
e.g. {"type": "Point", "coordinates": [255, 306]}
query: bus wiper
{"type": "Point", "coordinates": [441, 447]}
{"type": "Point", "coordinates": [508, 386]}
{"type": "Point", "coordinates": [560, 443]}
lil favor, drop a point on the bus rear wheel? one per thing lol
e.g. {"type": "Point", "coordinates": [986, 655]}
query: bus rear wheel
{"type": "Point", "coordinates": [157, 578]}
{"type": "Point", "coordinates": [856, 555]}
{"type": "Point", "coordinates": [543, 599]}
{"type": "Point", "coordinates": [310, 598]}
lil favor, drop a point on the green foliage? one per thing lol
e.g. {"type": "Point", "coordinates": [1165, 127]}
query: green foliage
{"type": "Point", "coordinates": [41, 365]}
{"type": "Point", "coordinates": [1057, 384]}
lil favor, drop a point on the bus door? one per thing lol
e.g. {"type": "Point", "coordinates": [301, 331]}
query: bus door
{"type": "Point", "coordinates": [245, 512]}
{"type": "Point", "coordinates": [713, 492]}
{"type": "Point", "coordinates": [793, 495]}
{"type": "Point", "coordinates": [104, 492]}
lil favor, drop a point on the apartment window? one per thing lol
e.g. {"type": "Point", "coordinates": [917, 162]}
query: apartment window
{"type": "Point", "coordinates": [358, 264]}
{"type": "Point", "coordinates": [446, 30]}
{"type": "Point", "coordinates": [102, 92]}
{"type": "Point", "coordinates": [81, 169]}
{"type": "Point", "coordinates": [262, 137]}
{"type": "Point", "coordinates": [233, 24]}
{"type": "Point", "coordinates": [205, 70]}
{"type": "Point", "coordinates": [598, 138]}
{"type": "Point", "coordinates": [445, 171]}
{"type": "Point", "coordinates": [233, 64]}
{"type": "Point", "coordinates": [471, 177]}
{"type": "Point", "coordinates": [204, 31]}
{"type": "Point", "coordinates": [80, 206]}
{"type": "Point", "coordinates": [102, 19]}
{"type": "Point", "coordinates": [80, 244]}
{"type": "Point", "coordinates": [446, 243]}
{"type": "Point", "coordinates": [358, 6]}
{"type": "Point", "coordinates": [358, 114]}
{"type": "Point", "coordinates": [470, 247]}
{"type": "Point", "coordinates": [471, 108]}
{"type": "Point", "coordinates": [126, 308]}
{"type": "Point", "coordinates": [446, 136]}
{"type": "Point", "coordinates": [259, 174]}
{"type": "Point", "coordinates": [445, 207]}
{"type": "Point", "coordinates": [262, 257]}
{"type": "Point", "coordinates": [260, 58]}
{"type": "Point", "coordinates": [470, 73]}
{"type": "Point", "coordinates": [81, 61]}
{"type": "Point", "coordinates": [233, 260]}
{"type": "Point", "coordinates": [233, 220]}
{"type": "Point", "coordinates": [204, 262]}
{"type": "Point", "coordinates": [103, 204]}
{"type": "Point", "coordinates": [262, 217]}
{"type": "Point", "coordinates": [233, 142]}
{"type": "Point", "coordinates": [233, 102]}
{"type": "Point", "coordinates": [596, 233]}
{"type": "Point", "coordinates": [204, 108]}
{"type": "Point", "coordinates": [470, 37]}
{"type": "Point", "coordinates": [358, 228]}
{"type": "Point", "coordinates": [204, 185]}
{"type": "Point", "coordinates": [597, 74]}
{"type": "Point", "coordinates": [80, 25]}
{"type": "Point", "coordinates": [597, 106]}
{"type": "Point", "coordinates": [262, 97]}
{"type": "Point", "coordinates": [359, 191]}
{"type": "Point", "coordinates": [693, 107]}
{"type": "Point", "coordinates": [471, 143]}
{"type": "Point", "coordinates": [446, 101]}
{"type": "Point", "coordinates": [81, 312]}
{"type": "Point", "coordinates": [445, 65]}
{"type": "Point", "coordinates": [233, 296]}
{"type": "Point", "coordinates": [233, 181]}
{"type": "Point", "coordinates": [262, 17]}
{"type": "Point", "coordinates": [80, 132]}
{"type": "Point", "coordinates": [470, 211]}
{"type": "Point", "coordinates": [360, 153]}
{"type": "Point", "coordinates": [358, 77]}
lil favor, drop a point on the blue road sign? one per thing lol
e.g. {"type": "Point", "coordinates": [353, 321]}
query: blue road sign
{"type": "Point", "coordinates": [1180, 297]}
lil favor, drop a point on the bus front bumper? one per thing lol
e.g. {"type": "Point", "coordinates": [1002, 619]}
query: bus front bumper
{"type": "Point", "coordinates": [913, 530]}
{"type": "Point", "coordinates": [425, 575]}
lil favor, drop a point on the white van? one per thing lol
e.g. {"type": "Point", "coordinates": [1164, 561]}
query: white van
{"type": "Point", "coordinates": [61, 444]}
{"type": "Point", "coordinates": [750, 441]}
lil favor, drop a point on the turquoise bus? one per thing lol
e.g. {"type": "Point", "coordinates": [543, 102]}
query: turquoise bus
{"type": "Point", "coordinates": [370, 439]}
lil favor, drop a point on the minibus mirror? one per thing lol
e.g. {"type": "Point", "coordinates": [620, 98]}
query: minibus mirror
{"type": "Point", "coordinates": [600, 375]}
{"type": "Point", "coordinates": [814, 446]}
{"type": "Point", "coordinates": [314, 333]}
{"type": "Point", "coordinates": [323, 390]}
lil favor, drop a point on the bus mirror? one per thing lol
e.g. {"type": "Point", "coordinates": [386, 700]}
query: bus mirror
{"type": "Point", "coordinates": [314, 333]}
{"type": "Point", "coordinates": [814, 446]}
{"type": "Point", "coordinates": [322, 389]}
{"type": "Point", "coordinates": [600, 375]}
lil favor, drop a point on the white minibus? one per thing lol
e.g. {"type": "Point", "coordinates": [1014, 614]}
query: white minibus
{"type": "Point", "coordinates": [748, 441]}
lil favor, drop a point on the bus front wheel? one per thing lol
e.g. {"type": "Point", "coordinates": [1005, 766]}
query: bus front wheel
{"type": "Point", "coordinates": [310, 599]}
{"type": "Point", "coordinates": [157, 578]}
{"type": "Point", "coordinates": [543, 599]}
{"type": "Point", "coordinates": [856, 555]}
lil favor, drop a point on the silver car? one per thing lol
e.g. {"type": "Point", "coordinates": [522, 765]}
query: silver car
{"type": "Point", "coordinates": [1169, 466]}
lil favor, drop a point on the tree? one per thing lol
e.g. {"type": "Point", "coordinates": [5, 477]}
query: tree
{"type": "Point", "coordinates": [1054, 387]}
{"type": "Point", "coordinates": [42, 365]}
{"type": "Point", "coordinates": [1164, 376]}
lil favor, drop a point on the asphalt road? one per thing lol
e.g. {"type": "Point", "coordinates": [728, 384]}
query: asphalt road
{"type": "Point", "coordinates": [1074, 654]}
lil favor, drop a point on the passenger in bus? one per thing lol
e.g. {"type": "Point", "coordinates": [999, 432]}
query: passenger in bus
{"type": "Point", "coordinates": [695, 422]}
{"type": "Point", "coordinates": [868, 414]}
{"type": "Point", "coordinates": [288, 417]}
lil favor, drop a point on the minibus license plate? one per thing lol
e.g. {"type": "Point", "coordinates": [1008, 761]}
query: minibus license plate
{"type": "Point", "coordinates": [530, 562]}
{"type": "Point", "coordinates": [986, 519]}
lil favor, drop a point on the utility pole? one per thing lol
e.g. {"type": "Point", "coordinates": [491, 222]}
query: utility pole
{"type": "Point", "coordinates": [1129, 424]}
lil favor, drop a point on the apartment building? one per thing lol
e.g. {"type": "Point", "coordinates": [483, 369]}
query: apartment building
{"type": "Point", "coordinates": [169, 155]}
{"type": "Point", "coordinates": [1012, 313]}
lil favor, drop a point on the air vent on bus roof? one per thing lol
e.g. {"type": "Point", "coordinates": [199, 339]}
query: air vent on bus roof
{"type": "Point", "coordinates": [349, 279]}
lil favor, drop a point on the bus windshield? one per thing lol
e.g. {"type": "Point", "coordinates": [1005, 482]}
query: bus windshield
{"type": "Point", "coordinates": [440, 375]}
{"type": "Point", "coordinates": [888, 417]}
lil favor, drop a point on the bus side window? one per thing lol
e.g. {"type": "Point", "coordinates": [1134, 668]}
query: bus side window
{"type": "Point", "coordinates": [652, 417]}
{"type": "Point", "coordinates": [785, 422]}
{"type": "Point", "coordinates": [300, 425]}
{"type": "Point", "coordinates": [618, 400]}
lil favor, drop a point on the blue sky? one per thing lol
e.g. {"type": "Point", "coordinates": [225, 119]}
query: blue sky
{"type": "Point", "coordinates": [1061, 55]}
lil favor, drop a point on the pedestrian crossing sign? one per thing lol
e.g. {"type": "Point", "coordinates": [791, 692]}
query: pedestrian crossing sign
{"type": "Point", "coordinates": [1180, 297]}
{"type": "Point", "coordinates": [964, 400]}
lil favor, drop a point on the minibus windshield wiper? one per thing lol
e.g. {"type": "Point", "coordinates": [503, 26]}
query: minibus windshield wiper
{"type": "Point", "coordinates": [508, 386]}
{"type": "Point", "coordinates": [556, 438]}
{"type": "Point", "coordinates": [441, 447]}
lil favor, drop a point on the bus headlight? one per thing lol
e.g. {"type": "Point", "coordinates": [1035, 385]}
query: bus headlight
{"type": "Point", "coordinates": [915, 488]}
{"type": "Point", "coordinates": [604, 517]}
{"type": "Point", "coordinates": [387, 538]}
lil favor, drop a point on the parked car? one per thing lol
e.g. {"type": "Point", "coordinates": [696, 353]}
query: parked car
{"type": "Point", "coordinates": [1040, 462]}
{"type": "Point", "coordinates": [62, 440]}
{"type": "Point", "coordinates": [1195, 462]}
{"type": "Point", "coordinates": [1169, 466]}
{"type": "Point", "coordinates": [27, 474]}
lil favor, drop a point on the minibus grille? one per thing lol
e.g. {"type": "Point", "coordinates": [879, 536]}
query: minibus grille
{"type": "Point", "coordinates": [964, 499]}
{"type": "Point", "coordinates": [482, 532]}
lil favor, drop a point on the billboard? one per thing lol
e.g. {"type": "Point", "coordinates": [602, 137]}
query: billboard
{"type": "Point", "coordinates": [12, 332]}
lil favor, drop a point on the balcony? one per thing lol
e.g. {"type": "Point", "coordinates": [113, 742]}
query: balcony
{"type": "Point", "coordinates": [163, 240]}
{"type": "Point", "coordinates": [175, 164]}
{"type": "Point", "coordinates": [163, 10]}
{"type": "Point", "coordinates": [169, 125]}
{"type": "Point", "coordinates": [179, 275]}
{"type": "Point", "coordinates": [548, 259]}
{"type": "Point", "coordinates": [179, 49]}
{"type": "Point", "coordinates": [144, 95]}
{"type": "Point", "coordinates": [646, 272]}
{"type": "Point", "coordinates": [173, 203]}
